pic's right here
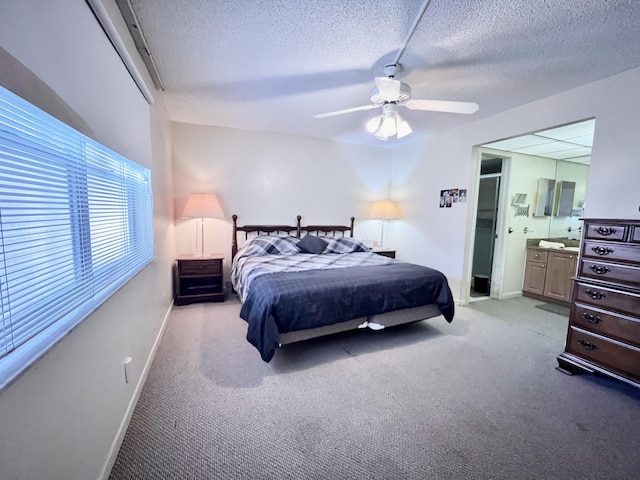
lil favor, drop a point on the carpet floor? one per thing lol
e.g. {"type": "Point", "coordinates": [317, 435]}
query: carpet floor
{"type": "Point", "coordinates": [555, 308]}
{"type": "Point", "coordinates": [479, 398]}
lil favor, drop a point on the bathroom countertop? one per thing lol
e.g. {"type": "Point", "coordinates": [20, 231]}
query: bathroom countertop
{"type": "Point", "coordinates": [568, 242]}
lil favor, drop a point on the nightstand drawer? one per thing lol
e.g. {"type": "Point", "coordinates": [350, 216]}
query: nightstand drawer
{"type": "Point", "coordinates": [200, 267]}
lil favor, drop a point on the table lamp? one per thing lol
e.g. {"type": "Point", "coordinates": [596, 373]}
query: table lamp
{"type": "Point", "coordinates": [202, 205]}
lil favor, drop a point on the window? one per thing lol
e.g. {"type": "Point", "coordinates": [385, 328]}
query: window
{"type": "Point", "coordinates": [75, 225]}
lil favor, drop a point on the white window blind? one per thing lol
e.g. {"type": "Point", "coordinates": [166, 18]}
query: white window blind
{"type": "Point", "coordinates": [75, 225]}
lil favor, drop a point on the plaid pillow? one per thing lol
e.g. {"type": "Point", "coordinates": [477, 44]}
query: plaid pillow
{"type": "Point", "coordinates": [344, 245]}
{"type": "Point", "coordinates": [269, 245]}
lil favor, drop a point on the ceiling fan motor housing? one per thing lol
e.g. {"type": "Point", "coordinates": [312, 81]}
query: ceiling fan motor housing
{"type": "Point", "coordinates": [391, 70]}
{"type": "Point", "coordinates": [405, 94]}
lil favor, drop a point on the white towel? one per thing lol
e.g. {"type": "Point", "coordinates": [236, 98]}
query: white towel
{"type": "Point", "coordinates": [545, 244]}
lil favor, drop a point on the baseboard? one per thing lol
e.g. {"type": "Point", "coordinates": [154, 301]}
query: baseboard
{"type": "Point", "coordinates": [510, 295]}
{"type": "Point", "coordinates": [122, 430]}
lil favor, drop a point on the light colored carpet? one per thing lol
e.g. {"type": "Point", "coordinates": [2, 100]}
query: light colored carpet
{"type": "Point", "coordinates": [563, 310]}
{"type": "Point", "coordinates": [475, 399]}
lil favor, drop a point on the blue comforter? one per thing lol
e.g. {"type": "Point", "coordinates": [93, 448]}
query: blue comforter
{"type": "Point", "coordinates": [289, 301]}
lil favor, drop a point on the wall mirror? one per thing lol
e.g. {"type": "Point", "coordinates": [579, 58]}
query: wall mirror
{"type": "Point", "coordinates": [566, 193]}
{"type": "Point", "coordinates": [559, 154]}
{"type": "Point", "coordinates": [544, 197]}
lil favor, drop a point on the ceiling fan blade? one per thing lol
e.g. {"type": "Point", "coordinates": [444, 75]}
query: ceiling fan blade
{"type": "Point", "coordinates": [346, 110]}
{"type": "Point", "coordinates": [388, 87]}
{"type": "Point", "coordinates": [443, 106]}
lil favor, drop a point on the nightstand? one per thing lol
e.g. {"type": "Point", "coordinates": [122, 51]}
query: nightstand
{"type": "Point", "coordinates": [198, 279]}
{"type": "Point", "coordinates": [385, 252]}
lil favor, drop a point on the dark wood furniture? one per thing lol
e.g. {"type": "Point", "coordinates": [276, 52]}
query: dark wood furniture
{"type": "Point", "coordinates": [385, 252]}
{"type": "Point", "coordinates": [548, 274]}
{"type": "Point", "coordinates": [296, 230]}
{"type": "Point", "coordinates": [398, 317]}
{"type": "Point", "coordinates": [198, 279]}
{"type": "Point", "coordinates": [604, 327]}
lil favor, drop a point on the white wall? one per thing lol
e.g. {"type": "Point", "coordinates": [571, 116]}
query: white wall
{"type": "Point", "coordinates": [269, 178]}
{"type": "Point", "coordinates": [63, 418]}
{"type": "Point", "coordinates": [432, 236]}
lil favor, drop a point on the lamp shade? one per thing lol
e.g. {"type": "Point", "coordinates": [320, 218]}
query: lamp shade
{"type": "Point", "coordinates": [202, 205]}
{"type": "Point", "coordinates": [384, 210]}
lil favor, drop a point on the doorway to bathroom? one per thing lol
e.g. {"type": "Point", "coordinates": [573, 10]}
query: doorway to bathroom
{"type": "Point", "coordinates": [486, 231]}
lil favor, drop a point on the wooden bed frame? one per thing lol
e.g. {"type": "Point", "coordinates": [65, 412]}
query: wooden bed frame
{"type": "Point", "coordinates": [389, 319]}
{"type": "Point", "coordinates": [287, 229]}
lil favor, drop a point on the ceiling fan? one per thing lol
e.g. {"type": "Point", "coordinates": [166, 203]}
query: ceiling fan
{"type": "Point", "coordinates": [389, 94]}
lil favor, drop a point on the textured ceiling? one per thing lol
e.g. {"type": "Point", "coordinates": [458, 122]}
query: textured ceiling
{"type": "Point", "coordinates": [270, 65]}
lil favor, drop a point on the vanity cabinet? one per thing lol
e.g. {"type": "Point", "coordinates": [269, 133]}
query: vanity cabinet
{"type": "Point", "coordinates": [558, 283]}
{"type": "Point", "coordinates": [604, 325]}
{"type": "Point", "coordinates": [535, 271]}
{"type": "Point", "coordinates": [549, 274]}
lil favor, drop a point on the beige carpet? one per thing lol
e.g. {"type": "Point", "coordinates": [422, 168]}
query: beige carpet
{"type": "Point", "coordinates": [475, 399]}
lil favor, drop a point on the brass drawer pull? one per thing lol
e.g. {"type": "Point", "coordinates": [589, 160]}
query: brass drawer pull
{"type": "Point", "coordinates": [606, 230]}
{"type": "Point", "coordinates": [591, 318]}
{"type": "Point", "coordinates": [587, 345]}
{"type": "Point", "coordinates": [595, 295]}
{"type": "Point", "coordinates": [602, 250]}
{"type": "Point", "coordinates": [599, 269]}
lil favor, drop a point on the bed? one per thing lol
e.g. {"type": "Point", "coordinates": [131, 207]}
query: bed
{"type": "Point", "coordinates": [299, 282]}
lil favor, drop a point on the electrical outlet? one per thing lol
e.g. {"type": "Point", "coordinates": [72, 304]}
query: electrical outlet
{"type": "Point", "coordinates": [126, 363]}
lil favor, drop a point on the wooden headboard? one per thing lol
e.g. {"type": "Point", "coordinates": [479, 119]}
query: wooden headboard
{"type": "Point", "coordinates": [329, 229]}
{"type": "Point", "coordinates": [286, 229]}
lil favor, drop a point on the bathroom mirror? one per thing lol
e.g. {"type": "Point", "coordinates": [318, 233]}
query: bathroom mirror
{"type": "Point", "coordinates": [544, 197]}
{"type": "Point", "coordinates": [566, 192]}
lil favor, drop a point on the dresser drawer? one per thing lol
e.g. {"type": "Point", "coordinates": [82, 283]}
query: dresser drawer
{"type": "Point", "coordinates": [635, 234]}
{"type": "Point", "coordinates": [608, 231]}
{"type": "Point", "coordinates": [611, 252]}
{"type": "Point", "coordinates": [607, 298]}
{"type": "Point", "coordinates": [534, 255]}
{"type": "Point", "coordinates": [610, 272]}
{"type": "Point", "coordinates": [200, 267]}
{"type": "Point", "coordinates": [609, 354]}
{"type": "Point", "coordinates": [620, 327]}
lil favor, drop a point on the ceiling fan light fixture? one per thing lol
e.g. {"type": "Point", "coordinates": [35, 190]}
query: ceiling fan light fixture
{"type": "Point", "coordinates": [404, 128]}
{"type": "Point", "coordinates": [374, 124]}
{"type": "Point", "coordinates": [388, 127]}
{"type": "Point", "coordinates": [380, 136]}
{"type": "Point", "coordinates": [389, 124]}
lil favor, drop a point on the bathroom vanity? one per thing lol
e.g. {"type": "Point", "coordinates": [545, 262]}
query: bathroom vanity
{"type": "Point", "coordinates": [549, 272]}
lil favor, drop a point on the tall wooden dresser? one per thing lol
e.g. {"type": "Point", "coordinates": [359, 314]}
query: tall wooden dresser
{"type": "Point", "coordinates": [604, 326]}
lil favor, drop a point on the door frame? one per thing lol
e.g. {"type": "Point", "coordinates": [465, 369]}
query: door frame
{"type": "Point", "coordinates": [499, 251]}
